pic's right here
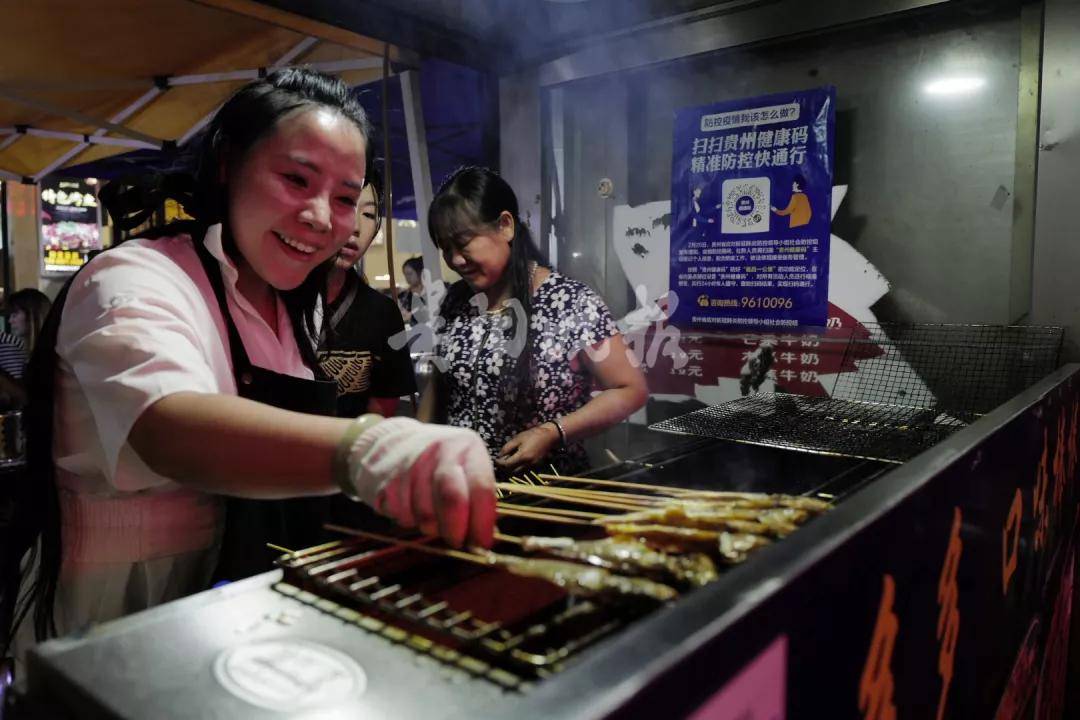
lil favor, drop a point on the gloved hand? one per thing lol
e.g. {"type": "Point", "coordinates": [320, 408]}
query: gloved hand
{"type": "Point", "coordinates": [435, 477]}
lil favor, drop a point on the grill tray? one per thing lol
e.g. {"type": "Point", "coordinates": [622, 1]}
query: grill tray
{"type": "Point", "coordinates": [415, 599]}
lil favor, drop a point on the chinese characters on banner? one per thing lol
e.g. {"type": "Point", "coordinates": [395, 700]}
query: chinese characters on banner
{"type": "Point", "coordinates": [751, 209]}
{"type": "Point", "coordinates": [70, 227]}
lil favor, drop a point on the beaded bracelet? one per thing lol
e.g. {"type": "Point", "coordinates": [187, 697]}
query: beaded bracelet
{"type": "Point", "coordinates": [340, 465]}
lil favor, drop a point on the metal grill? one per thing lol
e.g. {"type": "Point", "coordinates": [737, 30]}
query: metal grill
{"type": "Point", "coordinates": [900, 389]}
{"type": "Point", "coordinates": [873, 431]}
{"type": "Point", "coordinates": [964, 370]}
{"type": "Point", "coordinates": [416, 600]}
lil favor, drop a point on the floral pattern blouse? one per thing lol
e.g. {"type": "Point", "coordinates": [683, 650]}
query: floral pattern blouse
{"type": "Point", "coordinates": [477, 347]}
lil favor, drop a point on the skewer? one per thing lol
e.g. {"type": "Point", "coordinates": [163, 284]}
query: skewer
{"type": "Point", "coordinates": [656, 489]}
{"type": "Point", "coordinates": [615, 496]}
{"type": "Point", "coordinates": [673, 492]}
{"type": "Point", "coordinates": [305, 551]}
{"type": "Point", "coordinates": [513, 512]}
{"type": "Point", "coordinates": [576, 498]}
{"type": "Point", "coordinates": [544, 510]}
{"type": "Point", "coordinates": [503, 537]}
{"type": "Point", "coordinates": [443, 552]}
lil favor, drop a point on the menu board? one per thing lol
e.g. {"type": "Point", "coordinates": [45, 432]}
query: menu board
{"type": "Point", "coordinates": [70, 225]}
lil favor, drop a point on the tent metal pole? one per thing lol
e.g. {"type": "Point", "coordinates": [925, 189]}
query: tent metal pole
{"type": "Point", "coordinates": [253, 73]}
{"type": "Point", "coordinates": [388, 175]}
{"type": "Point", "coordinates": [334, 66]}
{"type": "Point", "coordinates": [295, 52]}
{"type": "Point", "coordinates": [421, 169]}
{"type": "Point", "coordinates": [78, 116]}
{"type": "Point", "coordinates": [207, 78]}
{"type": "Point", "coordinates": [93, 140]}
{"type": "Point", "coordinates": [121, 116]}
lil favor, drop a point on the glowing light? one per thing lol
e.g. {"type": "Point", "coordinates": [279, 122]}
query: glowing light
{"type": "Point", "coordinates": [954, 86]}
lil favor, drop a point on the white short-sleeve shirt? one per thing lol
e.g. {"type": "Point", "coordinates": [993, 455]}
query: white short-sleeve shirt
{"type": "Point", "coordinates": [141, 322]}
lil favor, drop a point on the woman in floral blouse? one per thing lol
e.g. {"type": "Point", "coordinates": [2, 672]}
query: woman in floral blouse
{"type": "Point", "coordinates": [520, 347]}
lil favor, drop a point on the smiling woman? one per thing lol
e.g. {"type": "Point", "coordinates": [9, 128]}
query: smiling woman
{"type": "Point", "coordinates": [292, 201]}
{"type": "Point", "coordinates": [178, 371]}
{"type": "Point", "coordinates": [521, 346]}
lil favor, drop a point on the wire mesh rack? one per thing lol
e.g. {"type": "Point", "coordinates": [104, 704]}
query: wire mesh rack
{"type": "Point", "coordinates": [900, 389]}
{"type": "Point", "coordinates": [430, 605]}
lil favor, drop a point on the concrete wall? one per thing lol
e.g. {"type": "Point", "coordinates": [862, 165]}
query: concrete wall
{"type": "Point", "coordinates": [1056, 293]}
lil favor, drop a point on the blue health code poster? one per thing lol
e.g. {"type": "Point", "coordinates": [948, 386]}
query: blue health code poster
{"type": "Point", "coordinates": [750, 200]}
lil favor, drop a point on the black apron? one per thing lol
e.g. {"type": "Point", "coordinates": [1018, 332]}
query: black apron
{"type": "Point", "coordinates": [250, 524]}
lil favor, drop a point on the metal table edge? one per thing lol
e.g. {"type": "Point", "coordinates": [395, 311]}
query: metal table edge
{"type": "Point", "coordinates": [686, 626]}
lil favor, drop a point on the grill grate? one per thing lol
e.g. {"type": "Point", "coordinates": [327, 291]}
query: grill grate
{"type": "Point", "coordinates": [900, 389]}
{"type": "Point", "coordinates": [965, 370]}
{"type": "Point", "coordinates": [872, 431]}
{"type": "Point", "coordinates": [398, 588]}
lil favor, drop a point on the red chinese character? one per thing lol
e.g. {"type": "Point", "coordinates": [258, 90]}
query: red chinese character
{"type": "Point", "coordinates": [1038, 495]}
{"type": "Point", "coordinates": [948, 626]}
{"type": "Point", "coordinates": [876, 685]}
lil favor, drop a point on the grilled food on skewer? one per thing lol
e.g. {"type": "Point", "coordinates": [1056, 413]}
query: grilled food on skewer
{"type": "Point", "coordinates": [583, 580]}
{"type": "Point", "coordinates": [744, 499]}
{"type": "Point", "coordinates": [667, 538]}
{"type": "Point", "coordinates": [629, 556]}
{"type": "Point", "coordinates": [776, 522]}
{"type": "Point", "coordinates": [758, 500]}
{"type": "Point", "coordinates": [580, 580]}
{"type": "Point", "coordinates": [733, 547]}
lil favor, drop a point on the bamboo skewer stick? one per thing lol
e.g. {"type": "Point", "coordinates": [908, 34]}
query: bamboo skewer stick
{"type": "Point", "coordinates": [529, 515]}
{"type": "Point", "coordinates": [570, 498]}
{"type": "Point", "coordinates": [306, 551]}
{"type": "Point", "coordinates": [503, 537]}
{"type": "Point", "coordinates": [673, 492]}
{"type": "Point", "coordinates": [630, 501]}
{"type": "Point", "coordinates": [544, 510]}
{"type": "Point", "coordinates": [443, 552]}
{"type": "Point", "coordinates": [663, 490]}
{"type": "Point", "coordinates": [656, 489]}
{"type": "Point", "coordinates": [614, 496]}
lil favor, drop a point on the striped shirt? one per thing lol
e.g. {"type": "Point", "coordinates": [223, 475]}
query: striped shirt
{"type": "Point", "coordinates": [12, 355]}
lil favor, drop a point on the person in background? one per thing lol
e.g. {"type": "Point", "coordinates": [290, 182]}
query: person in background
{"type": "Point", "coordinates": [355, 348]}
{"type": "Point", "coordinates": [413, 303]}
{"type": "Point", "coordinates": [522, 346]}
{"type": "Point", "coordinates": [175, 372]}
{"type": "Point", "coordinates": [26, 311]}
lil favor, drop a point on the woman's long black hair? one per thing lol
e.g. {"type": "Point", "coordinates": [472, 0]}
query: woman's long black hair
{"type": "Point", "coordinates": [470, 201]}
{"type": "Point", "coordinates": [35, 305]}
{"type": "Point", "coordinates": [30, 524]}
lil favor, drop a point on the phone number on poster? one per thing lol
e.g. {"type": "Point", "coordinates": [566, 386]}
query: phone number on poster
{"type": "Point", "coordinates": [767, 303]}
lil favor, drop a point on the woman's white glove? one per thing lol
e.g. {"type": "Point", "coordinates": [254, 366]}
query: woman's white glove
{"type": "Point", "coordinates": [435, 477]}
